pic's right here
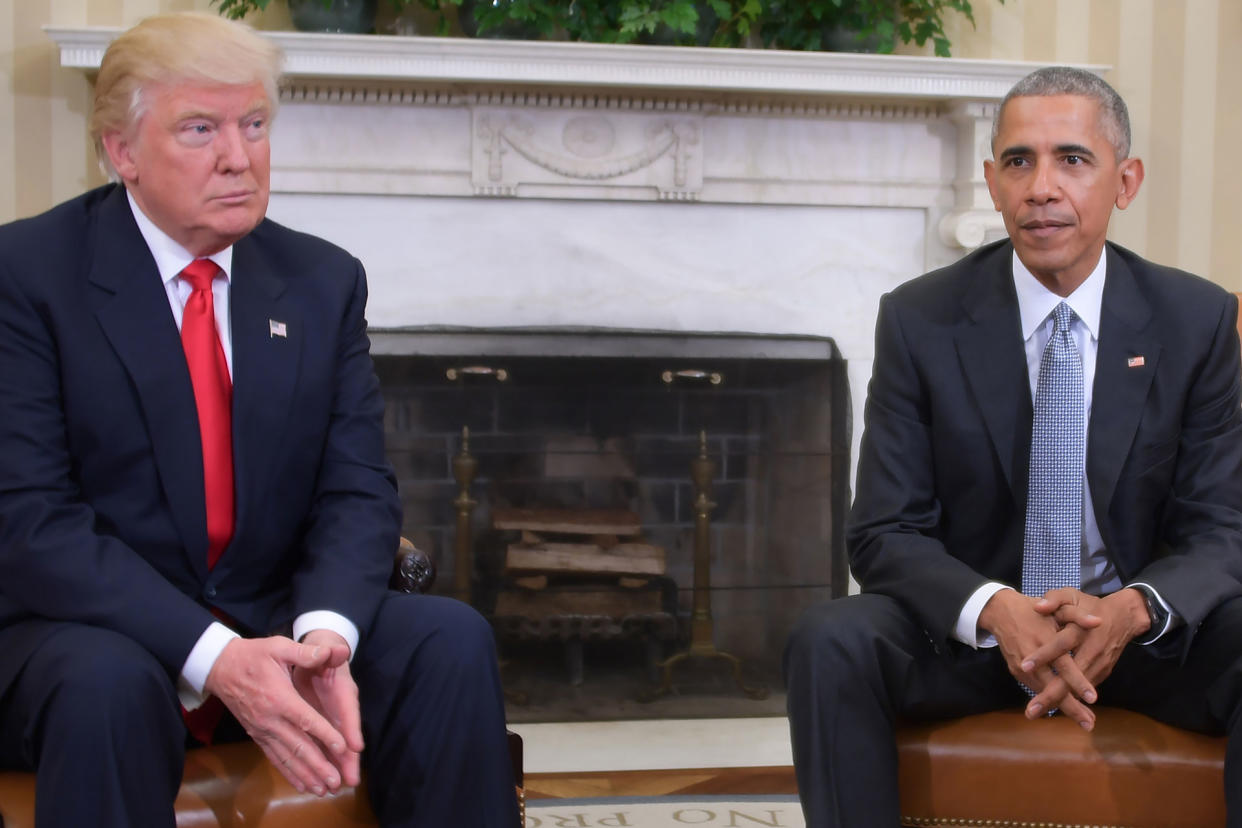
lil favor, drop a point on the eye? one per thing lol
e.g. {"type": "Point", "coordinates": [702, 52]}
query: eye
{"type": "Point", "coordinates": [1017, 161]}
{"type": "Point", "coordinates": [1074, 160]}
{"type": "Point", "coordinates": [195, 133]}
{"type": "Point", "coordinates": [255, 128]}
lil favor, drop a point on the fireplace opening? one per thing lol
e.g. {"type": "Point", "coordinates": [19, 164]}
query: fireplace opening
{"type": "Point", "coordinates": [641, 515]}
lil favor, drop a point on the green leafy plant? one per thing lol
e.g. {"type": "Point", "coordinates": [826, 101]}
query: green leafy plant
{"type": "Point", "coordinates": [873, 24]}
{"type": "Point", "coordinates": [672, 22]}
{"type": "Point", "coordinates": [866, 25]}
{"type": "Point", "coordinates": [860, 25]}
{"type": "Point", "coordinates": [237, 9]}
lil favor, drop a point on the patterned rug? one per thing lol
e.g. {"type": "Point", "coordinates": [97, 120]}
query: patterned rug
{"type": "Point", "coordinates": [666, 812]}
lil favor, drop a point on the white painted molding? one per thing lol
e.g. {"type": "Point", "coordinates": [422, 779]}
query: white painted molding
{"type": "Point", "coordinates": [974, 219]}
{"type": "Point", "coordinates": [542, 63]}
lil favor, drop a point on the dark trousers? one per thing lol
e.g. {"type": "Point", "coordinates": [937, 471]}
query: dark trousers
{"type": "Point", "coordinates": [96, 717]}
{"type": "Point", "coordinates": [857, 666]}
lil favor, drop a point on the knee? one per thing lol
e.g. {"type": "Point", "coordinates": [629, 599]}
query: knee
{"type": "Point", "coordinates": [839, 635]}
{"type": "Point", "coordinates": [442, 635]}
{"type": "Point", "coordinates": [107, 678]}
{"type": "Point", "coordinates": [463, 638]}
{"type": "Point", "coordinates": [101, 689]}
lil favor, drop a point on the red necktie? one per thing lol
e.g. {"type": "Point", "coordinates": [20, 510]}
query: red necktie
{"type": "Point", "coordinates": [213, 396]}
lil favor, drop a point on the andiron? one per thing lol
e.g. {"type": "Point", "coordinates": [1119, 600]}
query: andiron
{"type": "Point", "coordinates": [702, 644]}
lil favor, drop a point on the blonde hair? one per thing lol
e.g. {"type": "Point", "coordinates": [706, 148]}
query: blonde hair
{"type": "Point", "coordinates": [184, 47]}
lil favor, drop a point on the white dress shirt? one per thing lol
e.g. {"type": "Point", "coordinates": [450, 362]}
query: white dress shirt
{"type": "Point", "coordinates": [1035, 306]}
{"type": "Point", "coordinates": [171, 258]}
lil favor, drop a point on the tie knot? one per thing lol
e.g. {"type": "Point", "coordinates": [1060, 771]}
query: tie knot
{"type": "Point", "coordinates": [1062, 317]}
{"type": "Point", "coordinates": [200, 273]}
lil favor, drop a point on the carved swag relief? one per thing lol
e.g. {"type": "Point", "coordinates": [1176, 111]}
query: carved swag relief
{"type": "Point", "coordinates": [654, 151]}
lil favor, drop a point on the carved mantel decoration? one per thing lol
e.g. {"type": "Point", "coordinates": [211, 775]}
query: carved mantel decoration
{"type": "Point", "coordinates": [571, 147]}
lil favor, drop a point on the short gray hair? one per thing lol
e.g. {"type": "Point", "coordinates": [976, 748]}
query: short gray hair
{"type": "Point", "coordinates": [1066, 80]}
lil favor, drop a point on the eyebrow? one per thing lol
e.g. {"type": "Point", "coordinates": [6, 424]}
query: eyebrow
{"type": "Point", "coordinates": [190, 114]}
{"type": "Point", "coordinates": [1060, 149]}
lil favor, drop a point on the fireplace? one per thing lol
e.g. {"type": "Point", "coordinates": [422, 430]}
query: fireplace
{"type": "Point", "coordinates": [591, 421]}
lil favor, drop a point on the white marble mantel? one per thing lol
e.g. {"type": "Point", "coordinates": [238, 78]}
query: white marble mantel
{"type": "Point", "coordinates": [490, 183]}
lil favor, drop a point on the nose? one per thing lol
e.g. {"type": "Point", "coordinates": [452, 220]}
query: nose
{"type": "Point", "coordinates": [230, 150]}
{"type": "Point", "coordinates": [1044, 183]}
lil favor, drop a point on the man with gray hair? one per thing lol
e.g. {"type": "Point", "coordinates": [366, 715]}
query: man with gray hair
{"type": "Point", "coordinates": [197, 519]}
{"type": "Point", "coordinates": [1049, 498]}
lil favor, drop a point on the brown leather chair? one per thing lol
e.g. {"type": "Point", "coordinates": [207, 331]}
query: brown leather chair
{"type": "Point", "coordinates": [998, 769]}
{"type": "Point", "coordinates": [235, 786]}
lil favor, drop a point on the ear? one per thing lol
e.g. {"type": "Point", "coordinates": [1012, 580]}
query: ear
{"type": "Point", "coordinates": [989, 175]}
{"type": "Point", "coordinates": [1131, 179]}
{"type": "Point", "coordinates": [120, 150]}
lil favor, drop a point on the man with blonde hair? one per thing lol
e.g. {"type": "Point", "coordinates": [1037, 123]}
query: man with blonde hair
{"type": "Point", "coordinates": [197, 520]}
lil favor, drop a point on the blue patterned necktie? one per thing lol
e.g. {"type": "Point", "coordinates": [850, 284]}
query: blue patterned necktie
{"type": "Point", "coordinates": [1052, 541]}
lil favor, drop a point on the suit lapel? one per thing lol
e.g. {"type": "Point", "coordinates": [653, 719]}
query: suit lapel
{"type": "Point", "coordinates": [267, 345]}
{"type": "Point", "coordinates": [132, 308]}
{"type": "Point", "coordinates": [1122, 381]}
{"type": "Point", "coordinates": [994, 362]}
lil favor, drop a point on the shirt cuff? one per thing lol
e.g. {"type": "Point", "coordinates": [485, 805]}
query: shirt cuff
{"type": "Point", "coordinates": [199, 662]}
{"type": "Point", "coordinates": [327, 620]}
{"type": "Point", "coordinates": [1171, 618]}
{"type": "Point", "coordinates": [967, 628]}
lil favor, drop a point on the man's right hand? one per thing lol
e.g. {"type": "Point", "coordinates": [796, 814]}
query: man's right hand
{"type": "Point", "coordinates": [1058, 682]}
{"type": "Point", "coordinates": [253, 677]}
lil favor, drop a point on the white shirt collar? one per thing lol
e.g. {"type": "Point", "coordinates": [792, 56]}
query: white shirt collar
{"type": "Point", "coordinates": [170, 257]}
{"type": "Point", "coordinates": [1036, 302]}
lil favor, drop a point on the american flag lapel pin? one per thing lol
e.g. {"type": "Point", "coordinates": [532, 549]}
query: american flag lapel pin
{"type": "Point", "coordinates": [275, 329]}
{"type": "Point", "coordinates": [1132, 362]}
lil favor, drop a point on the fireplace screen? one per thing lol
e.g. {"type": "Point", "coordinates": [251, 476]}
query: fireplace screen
{"type": "Point", "coordinates": [642, 516]}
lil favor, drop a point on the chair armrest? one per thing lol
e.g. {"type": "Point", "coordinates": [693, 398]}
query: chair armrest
{"type": "Point", "coordinates": [412, 569]}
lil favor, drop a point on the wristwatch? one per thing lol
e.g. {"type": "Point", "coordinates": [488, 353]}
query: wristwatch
{"type": "Point", "coordinates": [1155, 609]}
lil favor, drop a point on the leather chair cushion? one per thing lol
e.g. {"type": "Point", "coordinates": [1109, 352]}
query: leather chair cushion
{"type": "Point", "coordinates": [999, 769]}
{"type": "Point", "coordinates": [236, 785]}
{"type": "Point", "coordinates": [225, 786]}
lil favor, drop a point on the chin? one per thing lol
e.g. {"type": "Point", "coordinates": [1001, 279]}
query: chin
{"type": "Point", "coordinates": [238, 226]}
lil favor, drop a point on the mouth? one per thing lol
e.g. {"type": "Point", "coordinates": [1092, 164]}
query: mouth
{"type": "Point", "coordinates": [234, 198]}
{"type": "Point", "coordinates": [1043, 228]}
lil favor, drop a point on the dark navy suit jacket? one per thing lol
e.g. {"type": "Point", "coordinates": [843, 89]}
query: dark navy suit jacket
{"type": "Point", "coordinates": [102, 515]}
{"type": "Point", "coordinates": [942, 474]}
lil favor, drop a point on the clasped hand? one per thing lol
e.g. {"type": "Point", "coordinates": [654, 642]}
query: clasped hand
{"type": "Point", "coordinates": [298, 702]}
{"type": "Point", "coordinates": [1064, 644]}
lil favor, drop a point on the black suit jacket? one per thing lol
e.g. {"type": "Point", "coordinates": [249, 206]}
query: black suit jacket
{"type": "Point", "coordinates": [102, 517]}
{"type": "Point", "coordinates": [942, 474]}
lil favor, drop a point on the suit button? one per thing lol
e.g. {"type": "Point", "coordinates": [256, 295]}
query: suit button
{"type": "Point", "coordinates": [210, 591]}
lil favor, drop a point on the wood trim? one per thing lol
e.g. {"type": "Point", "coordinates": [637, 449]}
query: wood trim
{"type": "Point", "coordinates": [705, 781]}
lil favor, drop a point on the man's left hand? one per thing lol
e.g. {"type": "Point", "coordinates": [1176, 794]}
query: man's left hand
{"type": "Point", "coordinates": [332, 692]}
{"type": "Point", "coordinates": [1102, 628]}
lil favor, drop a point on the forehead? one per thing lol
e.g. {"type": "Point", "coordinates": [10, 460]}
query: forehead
{"type": "Point", "coordinates": [1055, 119]}
{"type": "Point", "coordinates": [177, 100]}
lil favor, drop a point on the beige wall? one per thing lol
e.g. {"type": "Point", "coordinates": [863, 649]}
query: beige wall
{"type": "Point", "coordinates": [1178, 63]}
